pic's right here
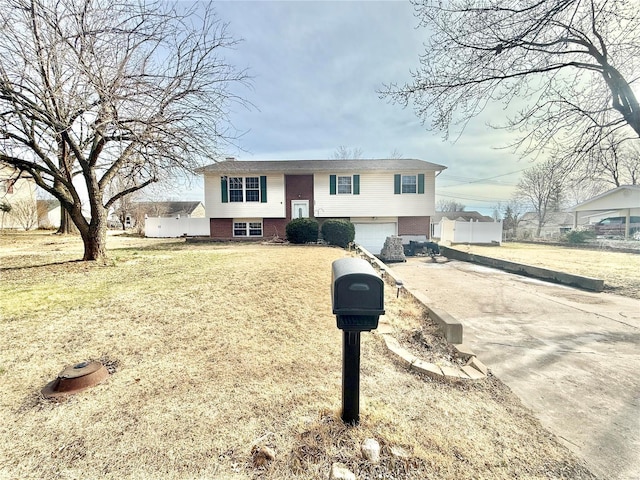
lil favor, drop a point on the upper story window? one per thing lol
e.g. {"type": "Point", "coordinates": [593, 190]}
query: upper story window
{"type": "Point", "coordinates": [243, 189]}
{"type": "Point", "coordinates": [344, 185]}
{"type": "Point", "coordinates": [409, 184]}
{"type": "Point", "coordinates": [7, 186]}
{"type": "Point", "coordinates": [252, 193]}
{"type": "Point", "coordinates": [235, 189]}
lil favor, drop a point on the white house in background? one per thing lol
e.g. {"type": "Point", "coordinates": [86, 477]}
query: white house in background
{"type": "Point", "coordinates": [381, 197]}
{"type": "Point", "coordinates": [137, 212]}
{"type": "Point", "coordinates": [556, 225]}
{"type": "Point", "coordinates": [49, 213]}
{"type": "Point", "coordinates": [623, 201]}
{"type": "Point", "coordinates": [18, 193]}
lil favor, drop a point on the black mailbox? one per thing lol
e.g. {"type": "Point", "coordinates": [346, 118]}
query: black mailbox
{"type": "Point", "coordinates": [357, 295]}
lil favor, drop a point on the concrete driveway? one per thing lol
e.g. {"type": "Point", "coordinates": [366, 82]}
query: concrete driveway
{"type": "Point", "coordinates": [572, 356]}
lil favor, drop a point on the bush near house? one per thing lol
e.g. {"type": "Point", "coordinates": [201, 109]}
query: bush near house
{"type": "Point", "coordinates": [302, 230]}
{"type": "Point", "coordinates": [579, 236]}
{"type": "Point", "coordinates": [338, 232]}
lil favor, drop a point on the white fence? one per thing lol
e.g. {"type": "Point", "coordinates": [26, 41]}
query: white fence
{"type": "Point", "coordinates": [158, 227]}
{"type": "Point", "coordinates": [454, 231]}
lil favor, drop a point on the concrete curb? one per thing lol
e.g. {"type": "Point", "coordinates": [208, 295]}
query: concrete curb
{"type": "Point", "coordinates": [586, 283]}
{"type": "Point", "coordinates": [473, 369]}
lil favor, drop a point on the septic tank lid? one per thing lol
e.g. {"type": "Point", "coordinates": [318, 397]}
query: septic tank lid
{"type": "Point", "coordinates": [76, 378]}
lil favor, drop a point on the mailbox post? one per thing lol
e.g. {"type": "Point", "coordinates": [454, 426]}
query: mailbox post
{"type": "Point", "coordinates": [357, 297]}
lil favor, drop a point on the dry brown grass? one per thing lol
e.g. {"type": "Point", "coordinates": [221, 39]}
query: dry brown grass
{"type": "Point", "coordinates": [218, 349]}
{"type": "Point", "coordinates": [620, 271]}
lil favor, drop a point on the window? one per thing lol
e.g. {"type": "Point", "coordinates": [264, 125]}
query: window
{"type": "Point", "coordinates": [255, 229]}
{"type": "Point", "coordinates": [252, 186]}
{"type": "Point", "coordinates": [409, 184]}
{"type": "Point", "coordinates": [243, 189]}
{"type": "Point", "coordinates": [344, 185]}
{"type": "Point", "coordinates": [247, 229]}
{"type": "Point", "coordinates": [235, 189]}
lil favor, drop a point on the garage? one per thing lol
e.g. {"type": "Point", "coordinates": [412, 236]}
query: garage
{"type": "Point", "coordinates": [372, 235]}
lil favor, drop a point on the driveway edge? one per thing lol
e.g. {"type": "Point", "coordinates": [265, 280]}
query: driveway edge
{"type": "Point", "coordinates": [451, 329]}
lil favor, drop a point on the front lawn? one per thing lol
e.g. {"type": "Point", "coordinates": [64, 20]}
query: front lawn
{"type": "Point", "coordinates": [220, 348]}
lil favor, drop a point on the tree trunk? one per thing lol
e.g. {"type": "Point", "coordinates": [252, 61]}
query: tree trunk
{"type": "Point", "coordinates": [95, 244]}
{"type": "Point", "coordinates": [94, 234]}
{"type": "Point", "coordinates": [67, 227]}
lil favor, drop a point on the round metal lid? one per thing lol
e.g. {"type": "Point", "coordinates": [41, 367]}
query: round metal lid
{"type": "Point", "coordinates": [75, 378]}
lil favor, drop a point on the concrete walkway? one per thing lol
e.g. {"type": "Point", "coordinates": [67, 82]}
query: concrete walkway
{"type": "Point", "coordinates": [572, 356]}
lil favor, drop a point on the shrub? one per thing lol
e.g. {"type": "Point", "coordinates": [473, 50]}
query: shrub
{"type": "Point", "coordinates": [302, 230]}
{"type": "Point", "coordinates": [338, 232]}
{"type": "Point", "coordinates": [579, 236]}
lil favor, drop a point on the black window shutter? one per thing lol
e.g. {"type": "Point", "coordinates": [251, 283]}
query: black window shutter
{"type": "Point", "coordinates": [356, 184]}
{"type": "Point", "coordinates": [397, 183]}
{"type": "Point", "coordinates": [421, 183]}
{"type": "Point", "coordinates": [223, 188]}
{"type": "Point", "coordinates": [263, 189]}
{"type": "Point", "coordinates": [332, 184]}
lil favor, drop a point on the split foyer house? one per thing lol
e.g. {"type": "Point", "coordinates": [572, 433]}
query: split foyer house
{"type": "Point", "coordinates": [384, 197]}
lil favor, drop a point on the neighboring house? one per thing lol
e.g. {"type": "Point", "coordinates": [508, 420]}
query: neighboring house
{"type": "Point", "coordinates": [256, 199]}
{"type": "Point", "coordinates": [18, 198]}
{"type": "Point", "coordinates": [48, 213]}
{"type": "Point", "coordinates": [138, 211]}
{"type": "Point", "coordinates": [623, 201]}
{"type": "Point", "coordinates": [556, 225]}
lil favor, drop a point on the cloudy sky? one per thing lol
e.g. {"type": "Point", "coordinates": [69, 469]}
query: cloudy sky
{"type": "Point", "coordinates": [317, 67]}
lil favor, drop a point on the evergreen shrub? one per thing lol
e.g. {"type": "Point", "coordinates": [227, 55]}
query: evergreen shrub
{"type": "Point", "coordinates": [302, 230]}
{"type": "Point", "coordinates": [338, 232]}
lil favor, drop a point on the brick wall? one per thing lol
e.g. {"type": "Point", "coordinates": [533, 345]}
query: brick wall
{"type": "Point", "coordinates": [299, 187]}
{"type": "Point", "coordinates": [414, 226]}
{"type": "Point", "coordinates": [274, 226]}
{"type": "Point", "coordinates": [221, 227]}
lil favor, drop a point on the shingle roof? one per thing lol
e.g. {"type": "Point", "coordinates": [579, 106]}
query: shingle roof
{"type": "Point", "coordinates": [169, 208]}
{"type": "Point", "coordinates": [312, 166]}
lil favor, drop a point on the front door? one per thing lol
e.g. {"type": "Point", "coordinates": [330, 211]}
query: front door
{"type": "Point", "coordinates": [299, 209]}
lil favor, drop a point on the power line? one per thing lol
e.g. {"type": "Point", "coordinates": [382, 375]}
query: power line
{"type": "Point", "coordinates": [469, 180]}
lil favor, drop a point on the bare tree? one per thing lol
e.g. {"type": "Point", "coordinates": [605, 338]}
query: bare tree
{"type": "Point", "coordinates": [512, 218]}
{"type": "Point", "coordinates": [347, 153]}
{"type": "Point", "coordinates": [395, 154]}
{"type": "Point", "coordinates": [541, 188]}
{"type": "Point", "coordinates": [444, 205]}
{"type": "Point", "coordinates": [25, 213]}
{"type": "Point", "coordinates": [93, 89]}
{"type": "Point", "coordinates": [566, 67]}
{"type": "Point", "coordinates": [614, 162]}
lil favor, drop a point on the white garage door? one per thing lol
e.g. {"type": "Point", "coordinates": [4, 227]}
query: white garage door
{"type": "Point", "coordinates": [372, 235]}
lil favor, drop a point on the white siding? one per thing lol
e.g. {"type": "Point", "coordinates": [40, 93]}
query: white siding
{"type": "Point", "coordinates": [470, 232]}
{"type": "Point", "coordinates": [376, 198]}
{"type": "Point", "coordinates": [273, 208]}
{"type": "Point", "coordinates": [158, 227]}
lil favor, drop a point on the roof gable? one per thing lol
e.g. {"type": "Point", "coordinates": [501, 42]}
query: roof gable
{"type": "Point", "coordinates": [625, 196]}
